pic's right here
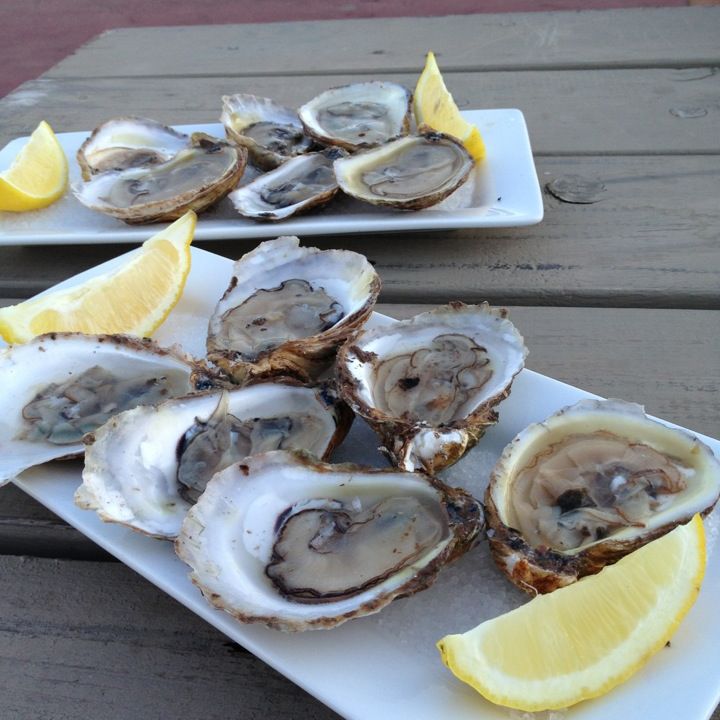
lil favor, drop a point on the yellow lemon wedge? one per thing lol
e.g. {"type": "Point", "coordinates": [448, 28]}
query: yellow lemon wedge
{"type": "Point", "coordinates": [434, 106]}
{"type": "Point", "coordinates": [134, 298]}
{"type": "Point", "coordinates": [38, 176]}
{"type": "Point", "coordinates": [581, 641]}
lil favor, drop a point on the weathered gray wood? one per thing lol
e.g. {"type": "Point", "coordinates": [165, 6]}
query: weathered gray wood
{"type": "Point", "coordinates": [28, 528]}
{"type": "Point", "coordinates": [674, 37]}
{"type": "Point", "coordinates": [636, 111]}
{"type": "Point", "coordinates": [666, 360]}
{"type": "Point", "coordinates": [95, 640]}
{"type": "Point", "coordinates": [650, 240]}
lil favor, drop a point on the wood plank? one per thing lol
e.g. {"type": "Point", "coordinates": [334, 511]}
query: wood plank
{"type": "Point", "coordinates": [649, 241]}
{"type": "Point", "coordinates": [664, 359]}
{"type": "Point", "coordinates": [28, 528]}
{"type": "Point", "coordinates": [517, 41]}
{"type": "Point", "coordinates": [95, 640]}
{"type": "Point", "coordinates": [567, 112]}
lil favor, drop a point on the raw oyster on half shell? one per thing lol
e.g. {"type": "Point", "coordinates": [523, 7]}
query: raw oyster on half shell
{"type": "Point", "coordinates": [60, 386]}
{"type": "Point", "coordinates": [410, 173]}
{"type": "Point", "coordinates": [305, 545]}
{"type": "Point", "coordinates": [145, 467]}
{"type": "Point", "coordinates": [429, 385]}
{"type": "Point", "coordinates": [300, 184]}
{"type": "Point", "coordinates": [288, 308]}
{"type": "Point", "coordinates": [271, 132]}
{"type": "Point", "coordinates": [358, 116]}
{"type": "Point", "coordinates": [587, 486]}
{"type": "Point", "coordinates": [127, 142]}
{"type": "Point", "coordinates": [193, 179]}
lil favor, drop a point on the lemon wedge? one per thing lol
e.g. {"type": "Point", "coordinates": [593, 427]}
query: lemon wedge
{"type": "Point", "coordinates": [38, 176]}
{"type": "Point", "coordinates": [134, 298]}
{"type": "Point", "coordinates": [434, 106]}
{"type": "Point", "coordinates": [584, 639]}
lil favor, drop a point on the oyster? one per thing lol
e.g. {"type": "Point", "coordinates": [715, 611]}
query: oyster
{"type": "Point", "coordinates": [358, 116]}
{"type": "Point", "coordinates": [302, 183]}
{"type": "Point", "coordinates": [127, 142]}
{"type": "Point", "coordinates": [288, 308]}
{"type": "Point", "coordinates": [411, 173]}
{"type": "Point", "coordinates": [271, 132]}
{"type": "Point", "coordinates": [145, 467]}
{"type": "Point", "coordinates": [587, 486]}
{"type": "Point", "coordinates": [305, 545]}
{"type": "Point", "coordinates": [193, 179]}
{"type": "Point", "coordinates": [60, 386]}
{"type": "Point", "coordinates": [429, 385]}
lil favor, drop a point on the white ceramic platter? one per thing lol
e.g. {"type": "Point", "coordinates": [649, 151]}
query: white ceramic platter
{"type": "Point", "coordinates": [386, 666]}
{"type": "Point", "coordinates": [503, 192]}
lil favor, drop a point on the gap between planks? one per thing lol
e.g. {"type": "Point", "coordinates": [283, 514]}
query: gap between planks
{"type": "Point", "coordinates": [707, 64]}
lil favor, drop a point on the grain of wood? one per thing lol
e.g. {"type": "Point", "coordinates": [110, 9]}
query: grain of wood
{"type": "Point", "coordinates": [517, 41]}
{"type": "Point", "coordinates": [84, 640]}
{"type": "Point", "coordinates": [567, 112]}
{"type": "Point", "coordinates": [650, 241]}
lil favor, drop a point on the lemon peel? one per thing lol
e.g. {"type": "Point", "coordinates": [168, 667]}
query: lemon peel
{"type": "Point", "coordinates": [582, 640]}
{"type": "Point", "coordinates": [434, 107]}
{"type": "Point", "coordinates": [38, 176]}
{"type": "Point", "coordinates": [134, 298]}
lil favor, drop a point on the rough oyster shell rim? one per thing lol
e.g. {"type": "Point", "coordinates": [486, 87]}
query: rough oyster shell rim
{"type": "Point", "coordinates": [398, 434]}
{"type": "Point", "coordinates": [86, 168]}
{"type": "Point", "coordinates": [543, 569]}
{"type": "Point", "coordinates": [305, 113]}
{"type": "Point", "coordinates": [305, 357]}
{"type": "Point", "coordinates": [197, 199]}
{"type": "Point", "coordinates": [463, 536]}
{"type": "Point", "coordinates": [344, 168]}
{"type": "Point", "coordinates": [267, 108]}
{"type": "Point", "coordinates": [86, 497]}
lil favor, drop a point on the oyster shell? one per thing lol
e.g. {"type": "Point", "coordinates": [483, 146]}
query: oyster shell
{"type": "Point", "coordinates": [271, 132]}
{"type": "Point", "coordinates": [59, 386]}
{"type": "Point", "coordinates": [146, 466]}
{"type": "Point", "coordinates": [305, 545]}
{"type": "Point", "coordinates": [302, 183]}
{"type": "Point", "coordinates": [411, 173]}
{"type": "Point", "coordinates": [588, 485]}
{"type": "Point", "coordinates": [358, 116]}
{"type": "Point", "coordinates": [429, 385]}
{"type": "Point", "coordinates": [127, 142]}
{"type": "Point", "coordinates": [288, 308]}
{"type": "Point", "coordinates": [193, 179]}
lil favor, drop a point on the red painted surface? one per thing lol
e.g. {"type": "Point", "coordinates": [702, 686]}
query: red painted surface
{"type": "Point", "coordinates": [36, 34]}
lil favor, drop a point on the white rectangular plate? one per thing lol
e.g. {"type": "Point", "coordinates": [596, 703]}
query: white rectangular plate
{"type": "Point", "coordinates": [503, 192]}
{"type": "Point", "coordinates": [386, 665]}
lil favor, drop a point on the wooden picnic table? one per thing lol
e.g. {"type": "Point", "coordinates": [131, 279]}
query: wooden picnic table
{"type": "Point", "coordinates": [618, 294]}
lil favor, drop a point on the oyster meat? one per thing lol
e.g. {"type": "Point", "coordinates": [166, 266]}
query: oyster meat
{"type": "Point", "coordinates": [358, 116]}
{"type": "Point", "coordinates": [193, 179]}
{"type": "Point", "coordinates": [429, 385]}
{"type": "Point", "coordinates": [288, 308]}
{"type": "Point", "coordinates": [60, 386]}
{"type": "Point", "coordinates": [126, 142]}
{"type": "Point", "coordinates": [411, 173]}
{"type": "Point", "coordinates": [302, 183]}
{"type": "Point", "coordinates": [145, 467]}
{"type": "Point", "coordinates": [271, 132]}
{"type": "Point", "coordinates": [305, 545]}
{"type": "Point", "coordinates": [587, 486]}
